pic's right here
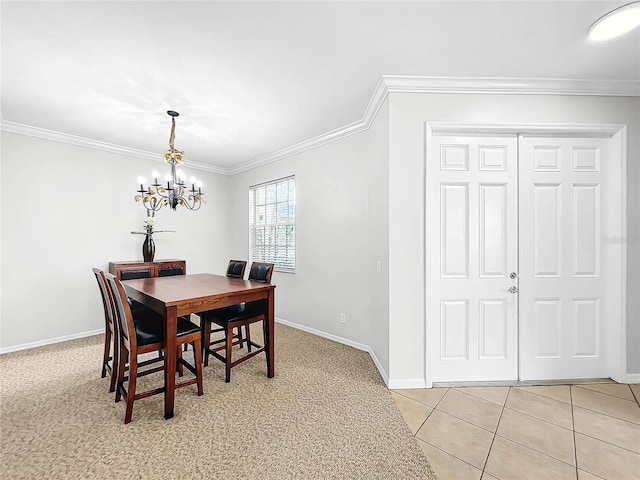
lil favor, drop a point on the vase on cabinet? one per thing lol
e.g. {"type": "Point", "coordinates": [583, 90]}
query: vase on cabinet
{"type": "Point", "coordinates": [148, 248]}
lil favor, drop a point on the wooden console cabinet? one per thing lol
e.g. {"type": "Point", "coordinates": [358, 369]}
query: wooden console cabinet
{"type": "Point", "coordinates": [137, 269]}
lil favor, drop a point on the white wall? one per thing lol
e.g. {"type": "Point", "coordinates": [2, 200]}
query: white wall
{"type": "Point", "coordinates": [66, 209]}
{"type": "Point", "coordinates": [341, 232]}
{"type": "Point", "coordinates": [378, 242]}
{"type": "Point", "coordinates": [360, 200]}
{"type": "Point", "coordinates": [407, 116]}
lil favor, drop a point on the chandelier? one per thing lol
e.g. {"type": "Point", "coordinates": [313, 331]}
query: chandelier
{"type": "Point", "coordinates": [176, 192]}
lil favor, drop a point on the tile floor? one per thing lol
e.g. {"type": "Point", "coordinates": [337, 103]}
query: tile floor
{"type": "Point", "coordinates": [580, 432]}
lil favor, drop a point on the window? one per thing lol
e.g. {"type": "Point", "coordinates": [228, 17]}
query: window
{"type": "Point", "coordinates": [272, 223]}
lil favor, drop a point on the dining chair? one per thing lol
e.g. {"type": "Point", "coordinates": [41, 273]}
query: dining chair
{"type": "Point", "coordinates": [228, 319]}
{"type": "Point", "coordinates": [146, 336]}
{"type": "Point", "coordinates": [109, 357]}
{"type": "Point", "coordinates": [235, 269]}
{"type": "Point", "coordinates": [140, 312]}
{"type": "Point", "coordinates": [259, 272]}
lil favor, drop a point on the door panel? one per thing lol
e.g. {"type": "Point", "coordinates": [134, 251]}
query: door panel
{"type": "Point", "coordinates": [493, 230]}
{"type": "Point", "coordinates": [454, 228]}
{"type": "Point", "coordinates": [547, 218]}
{"type": "Point", "coordinates": [561, 288]}
{"type": "Point", "coordinates": [455, 329]}
{"type": "Point", "coordinates": [585, 237]}
{"type": "Point", "coordinates": [472, 209]}
{"type": "Point", "coordinates": [547, 322]}
{"type": "Point", "coordinates": [494, 318]}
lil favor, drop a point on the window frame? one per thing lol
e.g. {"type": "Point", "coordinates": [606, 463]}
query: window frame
{"type": "Point", "coordinates": [290, 223]}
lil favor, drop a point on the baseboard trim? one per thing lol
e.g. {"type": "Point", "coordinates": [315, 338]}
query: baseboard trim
{"type": "Point", "coordinates": [407, 383]}
{"type": "Point", "coordinates": [391, 384]}
{"type": "Point", "coordinates": [630, 378]}
{"type": "Point", "coordinates": [524, 383]}
{"type": "Point", "coordinates": [320, 333]}
{"type": "Point", "coordinates": [342, 340]}
{"type": "Point", "coordinates": [381, 371]}
{"type": "Point", "coordinates": [50, 341]}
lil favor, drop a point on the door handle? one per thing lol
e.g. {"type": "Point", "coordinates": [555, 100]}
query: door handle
{"type": "Point", "coordinates": [513, 289]}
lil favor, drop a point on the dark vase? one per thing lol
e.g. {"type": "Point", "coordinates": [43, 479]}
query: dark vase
{"type": "Point", "coordinates": [148, 248]}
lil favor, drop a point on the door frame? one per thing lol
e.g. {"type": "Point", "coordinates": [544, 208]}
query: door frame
{"type": "Point", "coordinates": [616, 331]}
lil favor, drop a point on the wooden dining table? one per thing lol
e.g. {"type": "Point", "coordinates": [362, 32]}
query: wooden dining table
{"type": "Point", "coordinates": [179, 295]}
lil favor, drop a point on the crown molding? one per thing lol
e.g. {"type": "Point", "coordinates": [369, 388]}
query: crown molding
{"type": "Point", "coordinates": [410, 84]}
{"type": "Point", "coordinates": [60, 137]}
{"type": "Point", "coordinates": [386, 84]}
{"type": "Point", "coordinates": [332, 136]}
{"type": "Point", "coordinates": [376, 101]}
{"type": "Point", "coordinates": [511, 86]}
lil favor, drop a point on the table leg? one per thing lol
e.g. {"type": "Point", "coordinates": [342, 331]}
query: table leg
{"type": "Point", "coordinates": [170, 336]}
{"type": "Point", "coordinates": [270, 334]}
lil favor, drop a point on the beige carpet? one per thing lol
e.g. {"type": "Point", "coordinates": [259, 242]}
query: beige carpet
{"type": "Point", "coordinates": [326, 415]}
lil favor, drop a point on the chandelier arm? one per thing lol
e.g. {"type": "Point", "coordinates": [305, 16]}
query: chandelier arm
{"type": "Point", "coordinates": [192, 203]}
{"type": "Point", "coordinates": [152, 206]}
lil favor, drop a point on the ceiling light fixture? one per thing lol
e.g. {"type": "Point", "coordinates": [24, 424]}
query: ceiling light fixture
{"type": "Point", "coordinates": [615, 23]}
{"type": "Point", "coordinates": [156, 195]}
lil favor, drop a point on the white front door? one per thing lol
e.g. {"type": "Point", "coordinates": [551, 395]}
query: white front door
{"type": "Point", "coordinates": [472, 242]}
{"type": "Point", "coordinates": [562, 301]}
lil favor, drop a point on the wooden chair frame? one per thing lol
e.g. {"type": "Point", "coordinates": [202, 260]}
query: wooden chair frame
{"type": "Point", "coordinates": [231, 321]}
{"type": "Point", "coordinates": [129, 350]}
{"type": "Point", "coordinates": [112, 335]}
{"type": "Point", "coordinates": [110, 331]}
{"type": "Point", "coordinates": [206, 337]}
{"type": "Point", "coordinates": [229, 342]}
{"type": "Point", "coordinates": [247, 330]}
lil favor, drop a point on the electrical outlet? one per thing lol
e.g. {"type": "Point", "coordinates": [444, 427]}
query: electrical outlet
{"type": "Point", "coordinates": [343, 318]}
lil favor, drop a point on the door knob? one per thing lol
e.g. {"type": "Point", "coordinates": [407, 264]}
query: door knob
{"type": "Point", "coordinates": [513, 275]}
{"type": "Point", "coordinates": [513, 289]}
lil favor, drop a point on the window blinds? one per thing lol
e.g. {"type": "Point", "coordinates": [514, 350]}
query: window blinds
{"type": "Point", "coordinates": [272, 229]}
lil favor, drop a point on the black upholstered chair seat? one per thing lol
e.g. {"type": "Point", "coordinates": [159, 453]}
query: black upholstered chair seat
{"type": "Point", "coordinates": [222, 316]}
{"type": "Point", "coordinates": [224, 312]}
{"type": "Point", "coordinates": [149, 330]}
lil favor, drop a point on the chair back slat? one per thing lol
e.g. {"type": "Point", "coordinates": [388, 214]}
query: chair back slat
{"type": "Point", "coordinates": [123, 311]}
{"type": "Point", "coordinates": [107, 300]}
{"type": "Point", "coordinates": [236, 268]}
{"type": "Point", "coordinates": [261, 272]}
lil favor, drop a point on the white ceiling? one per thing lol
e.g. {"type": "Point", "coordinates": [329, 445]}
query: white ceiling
{"type": "Point", "coordinates": [251, 78]}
